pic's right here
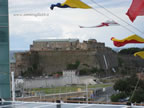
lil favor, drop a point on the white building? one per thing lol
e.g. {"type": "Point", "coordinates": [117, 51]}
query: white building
{"type": "Point", "coordinates": [69, 76]}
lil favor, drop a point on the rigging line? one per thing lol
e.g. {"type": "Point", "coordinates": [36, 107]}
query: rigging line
{"type": "Point", "coordinates": [117, 16]}
{"type": "Point", "coordinates": [112, 19]}
{"type": "Point", "coordinates": [80, 6]}
{"type": "Point", "coordinates": [109, 18]}
{"type": "Point", "coordinates": [134, 90]}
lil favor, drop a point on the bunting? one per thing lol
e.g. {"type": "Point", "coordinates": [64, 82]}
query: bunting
{"type": "Point", "coordinates": [71, 4]}
{"type": "Point", "coordinates": [130, 39]}
{"type": "Point", "coordinates": [103, 24]}
{"type": "Point", "coordinates": [136, 9]}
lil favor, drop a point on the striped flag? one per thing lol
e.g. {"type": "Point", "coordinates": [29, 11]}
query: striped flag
{"type": "Point", "coordinates": [136, 9]}
{"type": "Point", "coordinates": [103, 24]}
{"type": "Point", "coordinates": [140, 54]}
{"type": "Point", "coordinates": [130, 39]}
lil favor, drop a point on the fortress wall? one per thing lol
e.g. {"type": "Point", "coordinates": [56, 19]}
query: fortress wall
{"type": "Point", "coordinates": [54, 61]}
{"type": "Point", "coordinates": [22, 62]}
{"type": "Point", "coordinates": [49, 62]}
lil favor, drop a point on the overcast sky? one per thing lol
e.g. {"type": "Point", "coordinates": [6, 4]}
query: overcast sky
{"type": "Point", "coordinates": [32, 19]}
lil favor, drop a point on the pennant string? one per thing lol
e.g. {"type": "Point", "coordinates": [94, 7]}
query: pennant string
{"type": "Point", "coordinates": [112, 19]}
{"type": "Point", "coordinates": [116, 17]}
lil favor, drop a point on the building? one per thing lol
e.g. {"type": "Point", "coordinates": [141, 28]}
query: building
{"type": "Point", "coordinates": [4, 51]}
{"type": "Point", "coordinates": [65, 44]}
{"type": "Point", "coordinates": [70, 77]}
{"type": "Point", "coordinates": [53, 55]}
{"type": "Point", "coordinates": [54, 44]}
{"type": "Point", "coordinates": [47, 57]}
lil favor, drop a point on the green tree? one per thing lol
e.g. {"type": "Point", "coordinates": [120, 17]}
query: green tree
{"type": "Point", "coordinates": [117, 97]}
{"type": "Point", "coordinates": [73, 66]}
{"type": "Point", "coordinates": [126, 88]}
{"type": "Point", "coordinates": [130, 50]}
{"type": "Point", "coordinates": [121, 85]}
{"type": "Point", "coordinates": [84, 71]}
{"type": "Point", "coordinates": [94, 70]}
{"type": "Point", "coordinates": [138, 96]}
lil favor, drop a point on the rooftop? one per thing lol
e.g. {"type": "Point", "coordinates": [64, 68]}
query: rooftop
{"type": "Point", "coordinates": [56, 40]}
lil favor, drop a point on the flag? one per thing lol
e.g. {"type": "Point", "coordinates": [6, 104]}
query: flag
{"type": "Point", "coordinates": [130, 39]}
{"type": "Point", "coordinates": [103, 24]}
{"type": "Point", "coordinates": [71, 4]}
{"type": "Point", "coordinates": [136, 9]}
{"type": "Point", "coordinates": [140, 54]}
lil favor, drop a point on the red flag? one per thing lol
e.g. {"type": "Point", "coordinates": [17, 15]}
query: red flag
{"type": "Point", "coordinates": [136, 9]}
{"type": "Point", "coordinates": [107, 23]}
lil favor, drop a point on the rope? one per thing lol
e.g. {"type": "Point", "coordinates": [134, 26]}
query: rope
{"type": "Point", "coordinates": [112, 19]}
{"type": "Point", "coordinates": [117, 17]}
{"type": "Point", "coordinates": [134, 90]}
{"type": "Point", "coordinates": [125, 28]}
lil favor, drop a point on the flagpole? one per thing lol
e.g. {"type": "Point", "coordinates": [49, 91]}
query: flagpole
{"type": "Point", "coordinates": [13, 87]}
{"type": "Point", "coordinates": [87, 92]}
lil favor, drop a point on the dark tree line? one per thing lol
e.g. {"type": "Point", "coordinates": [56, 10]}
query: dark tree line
{"type": "Point", "coordinates": [126, 88]}
{"type": "Point", "coordinates": [130, 50]}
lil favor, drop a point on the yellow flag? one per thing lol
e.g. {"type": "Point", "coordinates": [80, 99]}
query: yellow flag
{"type": "Point", "coordinates": [76, 4]}
{"type": "Point", "coordinates": [71, 4]}
{"type": "Point", "coordinates": [140, 54]}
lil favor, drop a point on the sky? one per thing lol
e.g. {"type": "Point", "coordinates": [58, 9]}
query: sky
{"type": "Point", "coordinates": [31, 20]}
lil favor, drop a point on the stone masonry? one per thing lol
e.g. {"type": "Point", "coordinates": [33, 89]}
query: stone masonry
{"type": "Point", "coordinates": [50, 56]}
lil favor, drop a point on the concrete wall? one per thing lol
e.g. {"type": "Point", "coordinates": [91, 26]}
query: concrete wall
{"type": "Point", "coordinates": [44, 83]}
{"type": "Point", "coordinates": [54, 82]}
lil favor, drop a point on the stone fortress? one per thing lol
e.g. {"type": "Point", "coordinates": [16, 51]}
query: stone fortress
{"type": "Point", "coordinates": [65, 45]}
{"type": "Point", "coordinates": [53, 55]}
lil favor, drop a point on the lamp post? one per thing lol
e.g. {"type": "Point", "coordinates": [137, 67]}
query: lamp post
{"type": "Point", "coordinates": [87, 92]}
